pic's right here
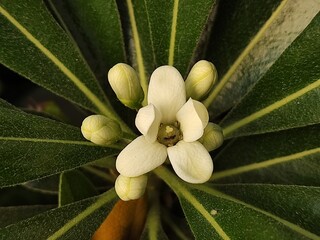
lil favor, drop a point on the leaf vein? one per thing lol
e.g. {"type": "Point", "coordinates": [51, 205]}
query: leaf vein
{"type": "Point", "coordinates": [82, 87]}
{"type": "Point", "coordinates": [264, 111]}
{"type": "Point", "coordinates": [60, 141]}
{"type": "Point", "coordinates": [264, 164]}
{"type": "Point", "coordinates": [105, 198]}
{"type": "Point", "coordinates": [137, 44]}
{"type": "Point", "coordinates": [283, 221]}
{"type": "Point", "coordinates": [183, 192]}
{"type": "Point", "coordinates": [243, 54]}
{"type": "Point", "coordinates": [173, 32]}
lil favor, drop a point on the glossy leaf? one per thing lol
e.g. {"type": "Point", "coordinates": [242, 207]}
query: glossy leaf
{"type": "Point", "coordinates": [214, 215]}
{"type": "Point", "coordinates": [47, 185]}
{"type": "Point", "coordinates": [166, 32]}
{"type": "Point", "coordinates": [248, 37]}
{"type": "Point", "coordinates": [48, 56]}
{"type": "Point", "coordinates": [287, 157]}
{"type": "Point", "coordinates": [288, 94]}
{"type": "Point", "coordinates": [296, 204]}
{"type": "Point", "coordinates": [4, 104]}
{"type": "Point", "coordinates": [96, 27]}
{"type": "Point", "coordinates": [13, 214]}
{"type": "Point", "coordinates": [74, 221]}
{"type": "Point", "coordinates": [33, 147]}
{"type": "Point", "coordinates": [74, 186]}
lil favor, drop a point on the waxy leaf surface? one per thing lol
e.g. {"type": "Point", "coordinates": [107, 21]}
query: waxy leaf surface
{"type": "Point", "coordinates": [286, 157]}
{"type": "Point", "coordinates": [247, 38]}
{"type": "Point", "coordinates": [48, 56]}
{"type": "Point", "coordinates": [288, 94]}
{"type": "Point", "coordinates": [216, 215]}
{"type": "Point", "coordinates": [166, 33]}
{"type": "Point", "coordinates": [96, 27]}
{"type": "Point", "coordinates": [74, 221]}
{"type": "Point", "coordinates": [33, 147]}
{"type": "Point", "coordinates": [74, 186]}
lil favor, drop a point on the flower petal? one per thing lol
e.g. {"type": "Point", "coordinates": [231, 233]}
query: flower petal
{"type": "Point", "coordinates": [140, 157]}
{"type": "Point", "coordinates": [193, 118]}
{"type": "Point", "coordinates": [148, 121]}
{"type": "Point", "coordinates": [191, 161]}
{"type": "Point", "coordinates": [167, 92]}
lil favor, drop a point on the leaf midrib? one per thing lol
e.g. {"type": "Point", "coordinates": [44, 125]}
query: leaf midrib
{"type": "Point", "coordinates": [288, 224]}
{"type": "Point", "coordinates": [101, 106]}
{"type": "Point", "coordinates": [104, 199]}
{"type": "Point", "coordinates": [59, 141]}
{"type": "Point", "coordinates": [270, 108]}
{"type": "Point", "coordinates": [173, 32]}
{"type": "Point", "coordinates": [82, 87]}
{"type": "Point", "coordinates": [139, 56]}
{"type": "Point", "coordinates": [264, 164]}
{"type": "Point", "coordinates": [182, 192]}
{"type": "Point", "coordinates": [213, 95]}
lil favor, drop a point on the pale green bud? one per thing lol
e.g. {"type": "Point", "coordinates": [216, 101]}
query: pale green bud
{"type": "Point", "coordinates": [200, 80]}
{"type": "Point", "coordinates": [101, 130]}
{"type": "Point", "coordinates": [212, 137]}
{"type": "Point", "coordinates": [130, 188]}
{"type": "Point", "coordinates": [126, 85]}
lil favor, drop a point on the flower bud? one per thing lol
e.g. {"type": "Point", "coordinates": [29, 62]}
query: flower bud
{"type": "Point", "coordinates": [212, 137]}
{"type": "Point", "coordinates": [101, 130]}
{"type": "Point", "coordinates": [126, 85]}
{"type": "Point", "coordinates": [200, 80]}
{"type": "Point", "coordinates": [131, 188]}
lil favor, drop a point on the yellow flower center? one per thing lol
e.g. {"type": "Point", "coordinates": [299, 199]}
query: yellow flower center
{"type": "Point", "coordinates": [169, 134]}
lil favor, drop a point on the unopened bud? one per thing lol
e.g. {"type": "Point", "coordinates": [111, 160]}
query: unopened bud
{"type": "Point", "coordinates": [126, 85]}
{"type": "Point", "coordinates": [101, 130]}
{"type": "Point", "coordinates": [200, 80]}
{"type": "Point", "coordinates": [212, 137]}
{"type": "Point", "coordinates": [130, 188]}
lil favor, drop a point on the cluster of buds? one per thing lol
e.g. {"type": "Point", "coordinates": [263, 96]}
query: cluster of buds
{"type": "Point", "coordinates": [125, 83]}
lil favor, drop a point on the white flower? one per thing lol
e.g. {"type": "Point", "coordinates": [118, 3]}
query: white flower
{"type": "Point", "coordinates": [171, 127]}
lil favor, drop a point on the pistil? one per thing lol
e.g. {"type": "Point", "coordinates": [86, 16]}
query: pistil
{"type": "Point", "coordinates": [169, 134]}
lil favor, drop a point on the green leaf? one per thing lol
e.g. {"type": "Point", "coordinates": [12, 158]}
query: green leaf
{"type": "Point", "coordinates": [74, 221]}
{"type": "Point", "coordinates": [4, 104]}
{"type": "Point", "coordinates": [286, 157]}
{"type": "Point", "coordinates": [97, 25]}
{"type": "Point", "coordinates": [33, 147]}
{"type": "Point", "coordinates": [288, 94]}
{"type": "Point", "coordinates": [74, 186]}
{"type": "Point", "coordinates": [153, 229]}
{"type": "Point", "coordinates": [296, 204]}
{"type": "Point", "coordinates": [47, 185]}
{"type": "Point", "coordinates": [34, 45]}
{"type": "Point", "coordinates": [11, 215]}
{"type": "Point", "coordinates": [214, 215]}
{"type": "Point", "coordinates": [166, 32]}
{"type": "Point", "coordinates": [248, 37]}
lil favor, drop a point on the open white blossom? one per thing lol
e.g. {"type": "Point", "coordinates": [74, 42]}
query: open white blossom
{"type": "Point", "coordinates": [171, 127]}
